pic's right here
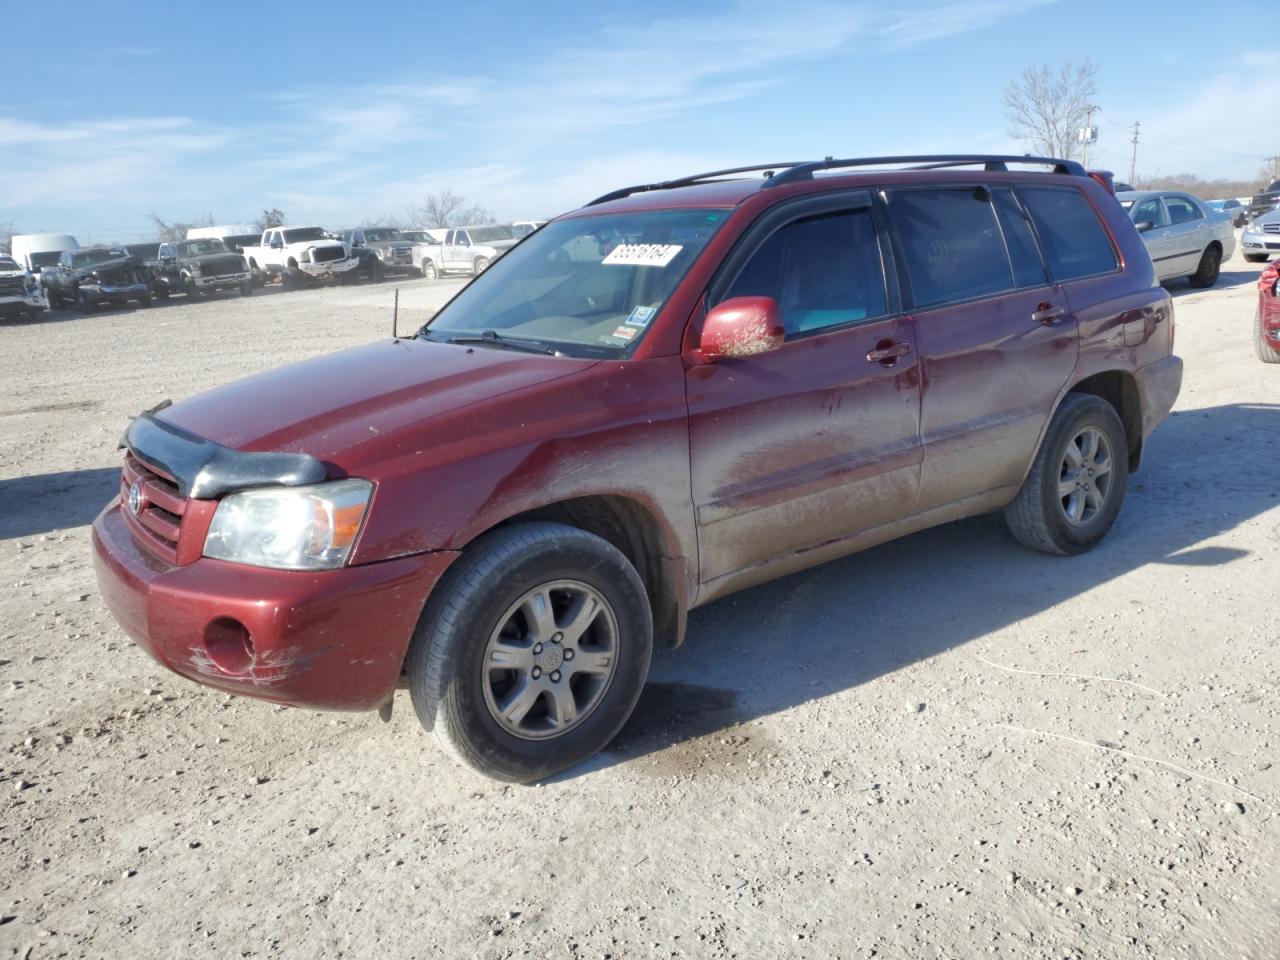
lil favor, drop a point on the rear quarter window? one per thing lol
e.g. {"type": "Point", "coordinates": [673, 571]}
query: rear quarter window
{"type": "Point", "coordinates": [1074, 242]}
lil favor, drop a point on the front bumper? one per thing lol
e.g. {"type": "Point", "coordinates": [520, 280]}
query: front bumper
{"type": "Point", "coordinates": [1255, 241]}
{"type": "Point", "coordinates": [115, 293]}
{"type": "Point", "coordinates": [329, 639]}
{"type": "Point", "coordinates": [329, 268]}
{"type": "Point", "coordinates": [21, 304]}
{"type": "Point", "coordinates": [226, 281]}
{"type": "Point", "coordinates": [1158, 387]}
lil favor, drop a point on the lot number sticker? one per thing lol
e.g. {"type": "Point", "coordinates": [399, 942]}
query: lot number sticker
{"type": "Point", "coordinates": [643, 254]}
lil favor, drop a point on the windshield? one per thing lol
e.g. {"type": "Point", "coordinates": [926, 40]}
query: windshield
{"type": "Point", "coordinates": [86, 258]}
{"type": "Point", "coordinates": [304, 234]}
{"type": "Point", "coordinates": [417, 236]}
{"type": "Point", "coordinates": [198, 248]}
{"type": "Point", "coordinates": [1215, 204]}
{"type": "Point", "coordinates": [144, 251]}
{"type": "Point", "coordinates": [382, 235]}
{"type": "Point", "coordinates": [8, 265]}
{"type": "Point", "coordinates": [46, 259]}
{"type": "Point", "coordinates": [241, 240]}
{"type": "Point", "coordinates": [589, 286]}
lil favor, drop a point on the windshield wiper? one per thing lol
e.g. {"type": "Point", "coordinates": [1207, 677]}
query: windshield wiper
{"type": "Point", "coordinates": [491, 338]}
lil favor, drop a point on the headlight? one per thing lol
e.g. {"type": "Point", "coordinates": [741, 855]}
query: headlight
{"type": "Point", "coordinates": [290, 528]}
{"type": "Point", "coordinates": [382, 253]}
{"type": "Point", "coordinates": [196, 270]}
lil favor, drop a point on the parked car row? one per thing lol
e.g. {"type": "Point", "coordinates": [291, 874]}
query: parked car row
{"type": "Point", "coordinates": [53, 270]}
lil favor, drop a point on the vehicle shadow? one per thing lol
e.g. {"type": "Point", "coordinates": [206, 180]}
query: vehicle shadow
{"type": "Point", "coordinates": [54, 501]}
{"type": "Point", "coordinates": [848, 622]}
{"type": "Point", "coordinates": [1226, 279]}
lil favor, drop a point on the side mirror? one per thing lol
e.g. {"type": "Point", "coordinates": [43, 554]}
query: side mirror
{"type": "Point", "coordinates": [1144, 225]}
{"type": "Point", "coordinates": [742, 327]}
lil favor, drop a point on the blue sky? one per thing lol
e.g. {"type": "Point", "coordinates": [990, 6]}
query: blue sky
{"type": "Point", "coordinates": [343, 112]}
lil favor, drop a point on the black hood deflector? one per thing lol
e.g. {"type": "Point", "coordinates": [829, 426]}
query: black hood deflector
{"type": "Point", "coordinates": [206, 470]}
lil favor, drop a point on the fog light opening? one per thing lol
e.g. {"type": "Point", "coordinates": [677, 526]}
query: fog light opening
{"type": "Point", "coordinates": [230, 645]}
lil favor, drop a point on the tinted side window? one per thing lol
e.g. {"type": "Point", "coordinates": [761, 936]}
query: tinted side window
{"type": "Point", "coordinates": [1181, 210]}
{"type": "Point", "coordinates": [1028, 268]}
{"type": "Point", "coordinates": [951, 244]}
{"type": "Point", "coordinates": [824, 271]}
{"type": "Point", "coordinates": [1074, 242]}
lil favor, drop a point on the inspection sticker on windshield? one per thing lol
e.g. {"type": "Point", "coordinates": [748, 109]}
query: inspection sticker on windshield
{"type": "Point", "coordinates": [643, 254]}
{"type": "Point", "coordinates": [623, 333]}
{"type": "Point", "coordinates": [640, 316]}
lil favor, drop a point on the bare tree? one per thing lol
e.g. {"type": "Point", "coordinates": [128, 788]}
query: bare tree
{"type": "Point", "coordinates": [6, 236]}
{"type": "Point", "coordinates": [447, 209]}
{"type": "Point", "coordinates": [1216, 189]}
{"type": "Point", "coordinates": [177, 229]}
{"type": "Point", "coordinates": [271, 218]}
{"type": "Point", "coordinates": [1046, 107]}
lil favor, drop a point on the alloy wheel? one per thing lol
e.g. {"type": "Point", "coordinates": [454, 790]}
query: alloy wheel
{"type": "Point", "coordinates": [1084, 479]}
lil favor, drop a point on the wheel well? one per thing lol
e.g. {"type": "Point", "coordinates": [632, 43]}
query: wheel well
{"type": "Point", "coordinates": [1121, 391]}
{"type": "Point", "coordinates": [632, 529]}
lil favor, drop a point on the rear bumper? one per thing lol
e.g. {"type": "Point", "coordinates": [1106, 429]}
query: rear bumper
{"type": "Point", "coordinates": [331, 639]}
{"type": "Point", "coordinates": [1158, 385]}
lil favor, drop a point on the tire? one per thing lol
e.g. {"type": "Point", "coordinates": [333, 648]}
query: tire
{"type": "Point", "coordinates": [1261, 345]}
{"type": "Point", "coordinates": [162, 291]}
{"type": "Point", "coordinates": [83, 305]}
{"type": "Point", "coordinates": [291, 279]}
{"type": "Point", "coordinates": [479, 264]}
{"type": "Point", "coordinates": [1206, 274]}
{"type": "Point", "coordinates": [1256, 257]}
{"type": "Point", "coordinates": [377, 272]}
{"type": "Point", "coordinates": [145, 301]}
{"type": "Point", "coordinates": [484, 595]}
{"type": "Point", "coordinates": [1040, 515]}
{"type": "Point", "coordinates": [429, 271]}
{"type": "Point", "coordinates": [246, 288]}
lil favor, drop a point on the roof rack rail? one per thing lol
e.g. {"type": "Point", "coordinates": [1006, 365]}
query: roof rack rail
{"type": "Point", "coordinates": [768, 168]}
{"type": "Point", "coordinates": [805, 171]}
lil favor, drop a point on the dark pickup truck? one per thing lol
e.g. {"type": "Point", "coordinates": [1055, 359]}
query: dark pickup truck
{"type": "Point", "coordinates": [93, 275]}
{"type": "Point", "coordinates": [1265, 202]}
{"type": "Point", "coordinates": [199, 267]}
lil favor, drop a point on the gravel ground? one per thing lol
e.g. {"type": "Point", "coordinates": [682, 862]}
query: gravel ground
{"type": "Point", "coordinates": [944, 747]}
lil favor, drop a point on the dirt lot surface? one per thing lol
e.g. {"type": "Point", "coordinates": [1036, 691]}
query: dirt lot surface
{"type": "Point", "coordinates": [944, 747]}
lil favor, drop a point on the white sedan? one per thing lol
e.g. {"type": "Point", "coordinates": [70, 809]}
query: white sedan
{"type": "Point", "coordinates": [1183, 236]}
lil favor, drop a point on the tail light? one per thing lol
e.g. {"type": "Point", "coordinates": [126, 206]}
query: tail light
{"type": "Point", "coordinates": [1104, 178]}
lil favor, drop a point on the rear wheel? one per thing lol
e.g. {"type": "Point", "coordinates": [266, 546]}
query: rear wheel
{"type": "Point", "coordinates": [532, 651]}
{"type": "Point", "coordinates": [429, 270]}
{"type": "Point", "coordinates": [1073, 493]}
{"type": "Point", "coordinates": [1268, 350]}
{"type": "Point", "coordinates": [1206, 274]}
{"type": "Point", "coordinates": [479, 264]}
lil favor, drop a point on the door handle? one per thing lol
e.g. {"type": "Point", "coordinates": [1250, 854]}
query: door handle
{"type": "Point", "coordinates": [887, 353]}
{"type": "Point", "coordinates": [1047, 313]}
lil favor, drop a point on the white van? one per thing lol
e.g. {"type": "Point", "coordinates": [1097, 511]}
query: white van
{"type": "Point", "coordinates": [36, 250]}
{"type": "Point", "coordinates": [234, 235]}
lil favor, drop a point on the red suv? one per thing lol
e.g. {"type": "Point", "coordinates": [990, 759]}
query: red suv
{"type": "Point", "coordinates": [680, 390]}
{"type": "Point", "coordinates": [1266, 322]}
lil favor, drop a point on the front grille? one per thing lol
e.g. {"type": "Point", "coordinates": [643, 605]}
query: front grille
{"type": "Point", "coordinates": [223, 265]}
{"type": "Point", "coordinates": [12, 286]}
{"type": "Point", "coordinates": [1271, 227]}
{"type": "Point", "coordinates": [120, 276]}
{"type": "Point", "coordinates": [158, 521]}
{"type": "Point", "coordinates": [325, 254]}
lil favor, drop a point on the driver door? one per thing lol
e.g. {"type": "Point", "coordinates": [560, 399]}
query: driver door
{"type": "Point", "coordinates": [806, 445]}
{"type": "Point", "coordinates": [1159, 240]}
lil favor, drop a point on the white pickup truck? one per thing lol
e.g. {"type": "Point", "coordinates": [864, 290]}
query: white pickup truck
{"type": "Point", "coordinates": [451, 251]}
{"type": "Point", "coordinates": [293, 253]}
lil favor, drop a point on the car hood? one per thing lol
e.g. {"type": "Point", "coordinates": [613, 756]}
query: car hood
{"type": "Point", "coordinates": [366, 406]}
{"type": "Point", "coordinates": [1272, 216]}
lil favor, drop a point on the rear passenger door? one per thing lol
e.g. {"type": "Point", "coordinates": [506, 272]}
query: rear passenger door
{"type": "Point", "coordinates": [997, 338]}
{"type": "Point", "coordinates": [812, 442]}
{"type": "Point", "coordinates": [1187, 232]}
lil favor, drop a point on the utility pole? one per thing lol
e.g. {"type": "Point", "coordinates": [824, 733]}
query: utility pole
{"type": "Point", "coordinates": [1133, 157]}
{"type": "Point", "coordinates": [1088, 135]}
{"type": "Point", "coordinates": [1275, 166]}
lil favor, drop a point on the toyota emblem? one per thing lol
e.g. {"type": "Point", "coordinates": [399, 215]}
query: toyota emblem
{"type": "Point", "coordinates": [135, 499]}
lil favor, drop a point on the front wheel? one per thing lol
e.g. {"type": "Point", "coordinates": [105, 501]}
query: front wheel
{"type": "Point", "coordinates": [1206, 274]}
{"type": "Point", "coordinates": [1268, 350]}
{"type": "Point", "coordinates": [1073, 492]}
{"type": "Point", "coordinates": [246, 288]}
{"type": "Point", "coordinates": [532, 651]}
